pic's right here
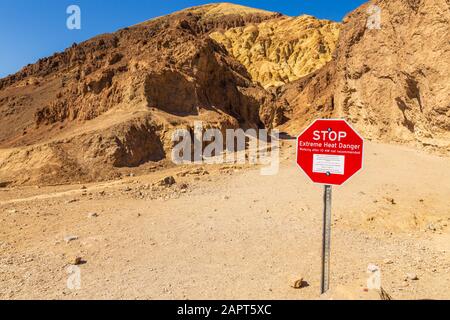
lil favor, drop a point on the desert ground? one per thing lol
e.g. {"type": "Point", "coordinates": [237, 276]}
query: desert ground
{"type": "Point", "coordinates": [226, 232]}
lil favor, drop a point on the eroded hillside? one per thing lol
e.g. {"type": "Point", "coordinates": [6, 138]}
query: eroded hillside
{"type": "Point", "coordinates": [279, 51]}
{"type": "Point", "coordinates": [112, 103]}
{"type": "Point", "coordinates": [392, 83]}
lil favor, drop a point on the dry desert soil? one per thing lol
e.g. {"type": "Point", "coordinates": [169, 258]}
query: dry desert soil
{"type": "Point", "coordinates": [226, 232]}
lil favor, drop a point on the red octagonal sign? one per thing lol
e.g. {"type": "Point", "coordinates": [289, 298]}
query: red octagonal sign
{"type": "Point", "coordinates": [330, 152]}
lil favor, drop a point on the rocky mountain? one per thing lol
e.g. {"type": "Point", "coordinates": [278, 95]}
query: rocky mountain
{"type": "Point", "coordinates": [110, 104]}
{"type": "Point", "coordinates": [113, 101]}
{"type": "Point", "coordinates": [392, 83]}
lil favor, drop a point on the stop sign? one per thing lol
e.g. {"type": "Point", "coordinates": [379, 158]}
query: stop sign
{"type": "Point", "coordinates": [330, 152]}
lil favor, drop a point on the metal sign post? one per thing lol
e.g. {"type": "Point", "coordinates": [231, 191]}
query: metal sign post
{"type": "Point", "coordinates": [326, 239]}
{"type": "Point", "coordinates": [330, 152]}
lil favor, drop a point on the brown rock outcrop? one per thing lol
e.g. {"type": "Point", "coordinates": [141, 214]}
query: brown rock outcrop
{"type": "Point", "coordinates": [391, 83]}
{"type": "Point", "coordinates": [114, 100]}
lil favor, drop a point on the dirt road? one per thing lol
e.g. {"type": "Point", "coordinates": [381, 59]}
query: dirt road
{"type": "Point", "coordinates": [230, 233]}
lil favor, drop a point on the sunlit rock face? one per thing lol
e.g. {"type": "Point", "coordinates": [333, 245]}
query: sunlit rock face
{"type": "Point", "coordinates": [281, 50]}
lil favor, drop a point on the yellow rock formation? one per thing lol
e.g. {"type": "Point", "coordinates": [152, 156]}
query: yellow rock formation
{"type": "Point", "coordinates": [281, 50]}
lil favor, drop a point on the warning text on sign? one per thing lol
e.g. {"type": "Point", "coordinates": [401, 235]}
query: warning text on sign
{"type": "Point", "coordinates": [329, 164]}
{"type": "Point", "coordinates": [340, 146]}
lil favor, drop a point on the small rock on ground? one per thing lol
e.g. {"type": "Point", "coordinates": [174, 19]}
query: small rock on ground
{"type": "Point", "coordinates": [68, 239]}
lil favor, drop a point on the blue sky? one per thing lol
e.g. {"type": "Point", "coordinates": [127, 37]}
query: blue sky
{"type": "Point", "coordinates": [32, 29]}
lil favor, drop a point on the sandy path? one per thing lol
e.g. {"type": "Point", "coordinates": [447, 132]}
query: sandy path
{"type": "Point", "coordinates": [238, 236]}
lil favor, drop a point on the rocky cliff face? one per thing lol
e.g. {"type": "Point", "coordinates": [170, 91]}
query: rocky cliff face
{"type": "Point", "coordinates": [392, 83]}
{"type": "Point", "coordinates": [279, 51]}
{"type": "Point", "coordinates": [112, 102]}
